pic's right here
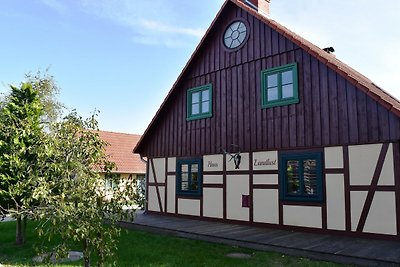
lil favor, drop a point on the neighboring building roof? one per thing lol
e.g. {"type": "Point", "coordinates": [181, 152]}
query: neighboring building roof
{"type": "Point", "coordinates": [119, 150]}
{"type": "Point", "coordinates": [356, 78]}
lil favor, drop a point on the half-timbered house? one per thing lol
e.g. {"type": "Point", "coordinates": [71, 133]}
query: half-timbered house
{"type": "Point", "coordinates": [262, 127]}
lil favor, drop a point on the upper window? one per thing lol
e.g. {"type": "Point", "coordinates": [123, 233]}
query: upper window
{"type": "Point", "coordinates": [235, 34]}
{"type": "Point", "coordinates": [189, 177]}
{"type": "Point", "coordinates": [199, 102]}
{"type": "Point", "coordinates": [280, 86]}
{"type": "Point", "coordinates": [301, 176]}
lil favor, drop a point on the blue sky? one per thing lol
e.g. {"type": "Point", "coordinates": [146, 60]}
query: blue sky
{"type": "Point", "coordinates": [122, 56]}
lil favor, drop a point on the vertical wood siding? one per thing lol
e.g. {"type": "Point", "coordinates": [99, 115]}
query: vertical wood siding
{"type": "Point", "coordinates": [331, 111]}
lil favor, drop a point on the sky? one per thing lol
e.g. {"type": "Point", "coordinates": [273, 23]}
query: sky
{"type": "Point", "coordinates": [121, 57]}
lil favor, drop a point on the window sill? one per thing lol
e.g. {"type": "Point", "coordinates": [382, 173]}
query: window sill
{"type": "Point", "coordinates": [281, 103]}
{"type": "Point", "coordinates": [189, 195]}
{"type": "Point", "coordinates": [198, 117]}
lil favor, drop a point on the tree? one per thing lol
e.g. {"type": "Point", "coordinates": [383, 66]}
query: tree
{"type": "Point", "coordinates": [48, 90]}
{"type": "Point", "coordinates": [53, 174]}
{"type": "Point", "coordinates": [21, 147]}
{"type": "Point", "coordinates": [72, 194]}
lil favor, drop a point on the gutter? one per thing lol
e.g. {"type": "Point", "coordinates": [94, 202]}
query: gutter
{"type": "Point", "coordinates": [142, 159]}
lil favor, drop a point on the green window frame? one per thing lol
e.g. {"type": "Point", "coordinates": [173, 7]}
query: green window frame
{"type": "Point", "coordinates": [301, 176]}
{"type": "Point", "coordinates": [280, 86]}
{"type": "Point", "coordinates": [199, 102]}
{"type": "Point", "coordinates": [189, 177]}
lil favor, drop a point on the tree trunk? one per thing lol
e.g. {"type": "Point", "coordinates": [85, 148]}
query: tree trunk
{"type": "Point", "coordinates": [20, 230]}
{"type": "Point", "coordinates": [86, 253]}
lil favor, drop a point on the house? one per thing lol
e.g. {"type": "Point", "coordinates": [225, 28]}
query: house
{"type": "Point", "coordinates": [129, 166]}
{"type": "Point", "coordinates": [264, 128]}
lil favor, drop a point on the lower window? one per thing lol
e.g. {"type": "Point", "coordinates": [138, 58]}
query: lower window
{"type": "Point", "coordinates": [112, 181]}
{"type": "Point", "coordinates": [301, 176]}
{"type": "Point", "coordinates": [189, 177]}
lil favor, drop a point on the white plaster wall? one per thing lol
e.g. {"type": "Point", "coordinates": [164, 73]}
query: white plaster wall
{"type": "Point", "coordinates": [302, 216]}
{"type": "Point", "coordinates": [263, 157]}
{"type": "Point", "coordinates": [357, 201]}
{"type": "Point", "coordinates": [123, 181]}
{"type": "Point", "coordinates": [210, 162]}
{"type": "Point", "coordinates": [213, 202]}
{"type": "Point", "coordinates": [381, 218]}
{"type": "Point", "coordinates": [152, 199]}
{"type": "Point", "coordinates": [236, 186]}
{"type": "Point", "coordinates": [171, 164]}
{"type": "Point", "coordinates": [159, 166]}
{"type": "Point", "coordinates": [266, 206]}
{"type": "Point", "coordinates": [151, 176]}
{"type": "Point", "coordinates": [161, 189]}
{"type": "Point", "coordinates": [335, 202]}
{"type": "Point", "coordinates": [189, 206]}
{"type": "Point", "coordinates": [333, 157]}
{"type": "Point", "coordinates": [153, 204]}
{"type": "Point", "coordinates": [125, 176]}
{"type": "Point", "coordinates": [363, 160]}
{"type": "Point", "coordinates": [265, 178]}
{"type": "Point", "coordinates": [171, 188]}
{"type": "Point", "coordinates": [387, 174]}
{"type": "Point", "coordinates": [213, 179]}
{"type": "Point", "coordinates": [244, 163]}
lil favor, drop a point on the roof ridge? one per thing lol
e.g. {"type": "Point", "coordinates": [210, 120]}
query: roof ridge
{"type": "Point", "coordinates": [104, 131]}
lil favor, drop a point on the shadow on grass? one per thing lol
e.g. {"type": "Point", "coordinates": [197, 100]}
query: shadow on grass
{"type": "Point", "coordinates": [137, 248]}
{"type": "Point", "coordinates": [13, 255]}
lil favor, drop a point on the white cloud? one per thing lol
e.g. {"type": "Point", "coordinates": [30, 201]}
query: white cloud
{"type": "Point", "coordinates": [157, 26]}
{"type": "Point", "coordinates": [154, 40]}
{"type": "Point", "coordinates": [152, 22]}
{"type": "Point", "coordinates": [55, 5]}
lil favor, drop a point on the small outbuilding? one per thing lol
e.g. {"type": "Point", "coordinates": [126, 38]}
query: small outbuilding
{"type": "Point", "coordinates": [264, 128]}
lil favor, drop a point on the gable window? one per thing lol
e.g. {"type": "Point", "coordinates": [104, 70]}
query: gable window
{"type": "Point", "coordinates": [235, 35]}
{"type": "Point", "coordinates": [199, 102]}
{"type": "Point", "coordinates": [280, 86]}
{"type": "Point", "coordinates": [189, 177]}
{"type": "Point", "coordinates": [301, 176]}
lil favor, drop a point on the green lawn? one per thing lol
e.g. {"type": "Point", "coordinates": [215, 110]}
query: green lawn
{"type": "Point", "coordinates": [138, 248]}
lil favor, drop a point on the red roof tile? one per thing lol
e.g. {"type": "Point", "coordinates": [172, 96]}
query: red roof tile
{"type": "Point", "coordinates": [119, 150]}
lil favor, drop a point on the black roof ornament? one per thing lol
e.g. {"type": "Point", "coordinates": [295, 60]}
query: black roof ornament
{"type": "Point", "coordinates": [329, 50]}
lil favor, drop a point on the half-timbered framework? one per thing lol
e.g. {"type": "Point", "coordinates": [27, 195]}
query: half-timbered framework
{"type": "Point", "coordinates": [263, 127]}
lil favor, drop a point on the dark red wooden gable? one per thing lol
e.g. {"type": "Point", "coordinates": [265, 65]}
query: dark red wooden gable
{"type": "Point", "coordinates": [332, 110]}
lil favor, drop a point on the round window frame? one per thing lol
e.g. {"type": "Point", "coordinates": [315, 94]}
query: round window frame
{"type": "Point", "coordinates": [246, 23]}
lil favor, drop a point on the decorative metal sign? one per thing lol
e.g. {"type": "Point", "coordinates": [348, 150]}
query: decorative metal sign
{"type": "Point", "coordinates": [235, 156]}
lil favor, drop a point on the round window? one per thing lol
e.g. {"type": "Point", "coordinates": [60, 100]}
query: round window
{"type": "Point", "coordinates": [235, 35]}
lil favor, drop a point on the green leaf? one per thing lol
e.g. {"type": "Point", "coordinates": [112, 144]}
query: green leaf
{"type": "Point", "coordinates": [16, 140]}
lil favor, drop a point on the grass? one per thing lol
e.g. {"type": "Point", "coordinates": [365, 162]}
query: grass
{"type": "Point", "coordinates": [137, 248]}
